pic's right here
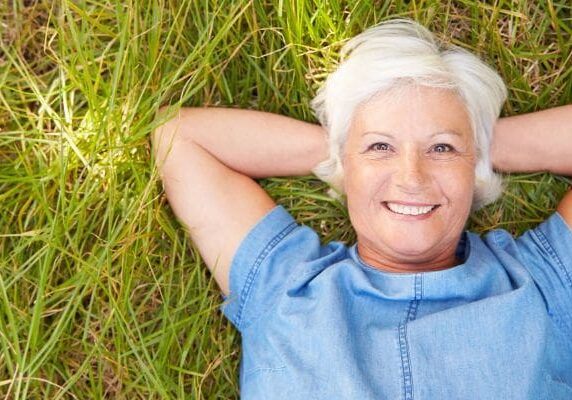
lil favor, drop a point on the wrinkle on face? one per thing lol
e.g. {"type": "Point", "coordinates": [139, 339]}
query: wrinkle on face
{"type": "Point", "coordinates": [410, 151]}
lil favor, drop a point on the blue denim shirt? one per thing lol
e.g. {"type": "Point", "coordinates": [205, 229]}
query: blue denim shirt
{"type": "Point", "coordinates": [318, 323]}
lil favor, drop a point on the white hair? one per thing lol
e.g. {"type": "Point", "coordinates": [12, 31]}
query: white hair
{"type": "Point", "coordinates": [402, 52]}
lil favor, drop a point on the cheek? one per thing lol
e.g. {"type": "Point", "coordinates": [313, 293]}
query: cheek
{"type": "Point", "coordinates": [352, 176]}
{"type": "Point", "coordinates": [461, 183]}
{"type": "Point", "coordinates": [362, 181]}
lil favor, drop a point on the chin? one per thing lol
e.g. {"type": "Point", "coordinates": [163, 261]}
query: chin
{"type": "Point", "coordinates": [416, 254]}
{"type": "Point", "coordinates": [420, 245]}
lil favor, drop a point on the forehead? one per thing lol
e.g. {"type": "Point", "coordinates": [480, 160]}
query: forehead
{"type": "Point", "coordinates": [412, 109]}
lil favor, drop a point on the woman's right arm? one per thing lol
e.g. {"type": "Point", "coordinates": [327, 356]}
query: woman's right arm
{"type": "Point", "coordinates": [207, 158]}
{"type": "Point", "coordinates": [538, 141]}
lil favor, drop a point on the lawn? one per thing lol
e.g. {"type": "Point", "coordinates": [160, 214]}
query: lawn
{"type": "Point", "coordinates": [102, 295]}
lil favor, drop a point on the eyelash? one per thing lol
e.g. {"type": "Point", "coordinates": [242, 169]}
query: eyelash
{"type": "Point", "coordinates": [374, 147]}
{"type": "Point", "coordinates": [447, 148]}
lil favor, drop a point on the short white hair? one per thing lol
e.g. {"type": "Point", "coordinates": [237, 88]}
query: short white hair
{"type": "Point", "coordinates": [402, 52]}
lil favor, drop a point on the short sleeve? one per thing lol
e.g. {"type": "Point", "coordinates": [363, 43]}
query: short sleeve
{"type": "Point", "coordinates": [275, 251]}
{"type": "Point", "coordinates": [547, 252]}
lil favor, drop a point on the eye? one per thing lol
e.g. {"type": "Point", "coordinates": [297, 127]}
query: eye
{"type": "Point", "coordinates": [442, 148]}
{"type": "Point", "coordinates": [379, 146]}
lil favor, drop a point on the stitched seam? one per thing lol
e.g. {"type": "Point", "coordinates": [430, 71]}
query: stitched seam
{"type": "Point", "coordinates": [256, 370]}
{"type": "Point", "coordinates": [550, 250]}
{"type": "Point", "coordinates": [403, 343]}
{"type": "Point", "coordinates": [405, 367]}
{"type": "Point", "coordinates": [253, 272]}
{"type": "Point", "coordinates": [404, 353]}
{"type": "Point", "coordinates": [418, 288]}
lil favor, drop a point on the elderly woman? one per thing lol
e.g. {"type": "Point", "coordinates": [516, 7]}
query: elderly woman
{"type": "Point", "coordinates": [417, 309]}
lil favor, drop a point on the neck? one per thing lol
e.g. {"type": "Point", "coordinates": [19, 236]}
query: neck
{"type": "Point", "coordinates": [408, 264]}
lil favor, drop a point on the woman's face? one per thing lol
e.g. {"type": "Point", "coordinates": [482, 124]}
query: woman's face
{"type": "Point", "coordinates": [409, 164]}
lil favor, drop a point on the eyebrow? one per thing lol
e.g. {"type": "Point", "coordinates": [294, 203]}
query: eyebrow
{"type": "Point", "coordinates": [390, 136]}
{"type": "Point", "coordinates": [453, 133]}
{"type": "Point", "coordinates": [376, 133]}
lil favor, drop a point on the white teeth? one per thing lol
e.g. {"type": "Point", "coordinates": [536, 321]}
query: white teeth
{"type": "Point", "coordinates": [409, 210]}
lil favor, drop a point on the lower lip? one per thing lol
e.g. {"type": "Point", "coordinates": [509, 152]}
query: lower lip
{"type": "Point", "coordinates": [411, 217]}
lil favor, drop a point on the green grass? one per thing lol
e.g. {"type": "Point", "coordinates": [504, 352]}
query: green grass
{"type": "Point", "coordinates": [101, 293]}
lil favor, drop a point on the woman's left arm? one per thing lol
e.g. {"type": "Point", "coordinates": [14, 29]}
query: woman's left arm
{"type": "Point", "coordinates": [538, 141]}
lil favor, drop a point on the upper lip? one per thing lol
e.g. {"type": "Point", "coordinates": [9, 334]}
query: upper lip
{"type": "Point", "coordinates": [410, 203]}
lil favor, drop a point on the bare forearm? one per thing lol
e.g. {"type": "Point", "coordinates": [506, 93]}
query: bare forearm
{"type": "Point", "coordinates": [539, 141]}
{"type": "Point", "coordinates": [253, 143]}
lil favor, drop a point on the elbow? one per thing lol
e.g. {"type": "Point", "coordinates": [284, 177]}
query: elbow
{"type": "Point", "coordinates": [163, 129]}
{"type": "Point", "coordinates": [161, 120]}
{"type": "Point", "coordinates": [157, 137]}
{"type": "Point", "coordinates": [174, 124]}
{"type": "Point", "coordinates": [166, 137]}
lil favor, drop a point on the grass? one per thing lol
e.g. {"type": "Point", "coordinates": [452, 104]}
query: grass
{"type": "Point", "coordinates": [101, 293]}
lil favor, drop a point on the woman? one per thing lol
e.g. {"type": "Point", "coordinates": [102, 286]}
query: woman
{"type": "Point", "coordinates": [417, 309]}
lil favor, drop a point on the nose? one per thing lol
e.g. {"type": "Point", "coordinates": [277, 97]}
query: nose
{"type": "Point", "coordinates": [411, 174]}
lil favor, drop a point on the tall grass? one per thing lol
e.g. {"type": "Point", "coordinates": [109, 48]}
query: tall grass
{"type": "Point", "coordinates": [101, 293]}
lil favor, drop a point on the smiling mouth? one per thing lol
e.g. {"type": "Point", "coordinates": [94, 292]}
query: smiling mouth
{"type": "Point", "coordinates": [409, 209]}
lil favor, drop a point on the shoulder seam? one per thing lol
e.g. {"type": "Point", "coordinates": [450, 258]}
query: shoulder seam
{"type": "Point", "coordinates": [550, 250]}
{"type": "Point", "coordinates": [253, 270]}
